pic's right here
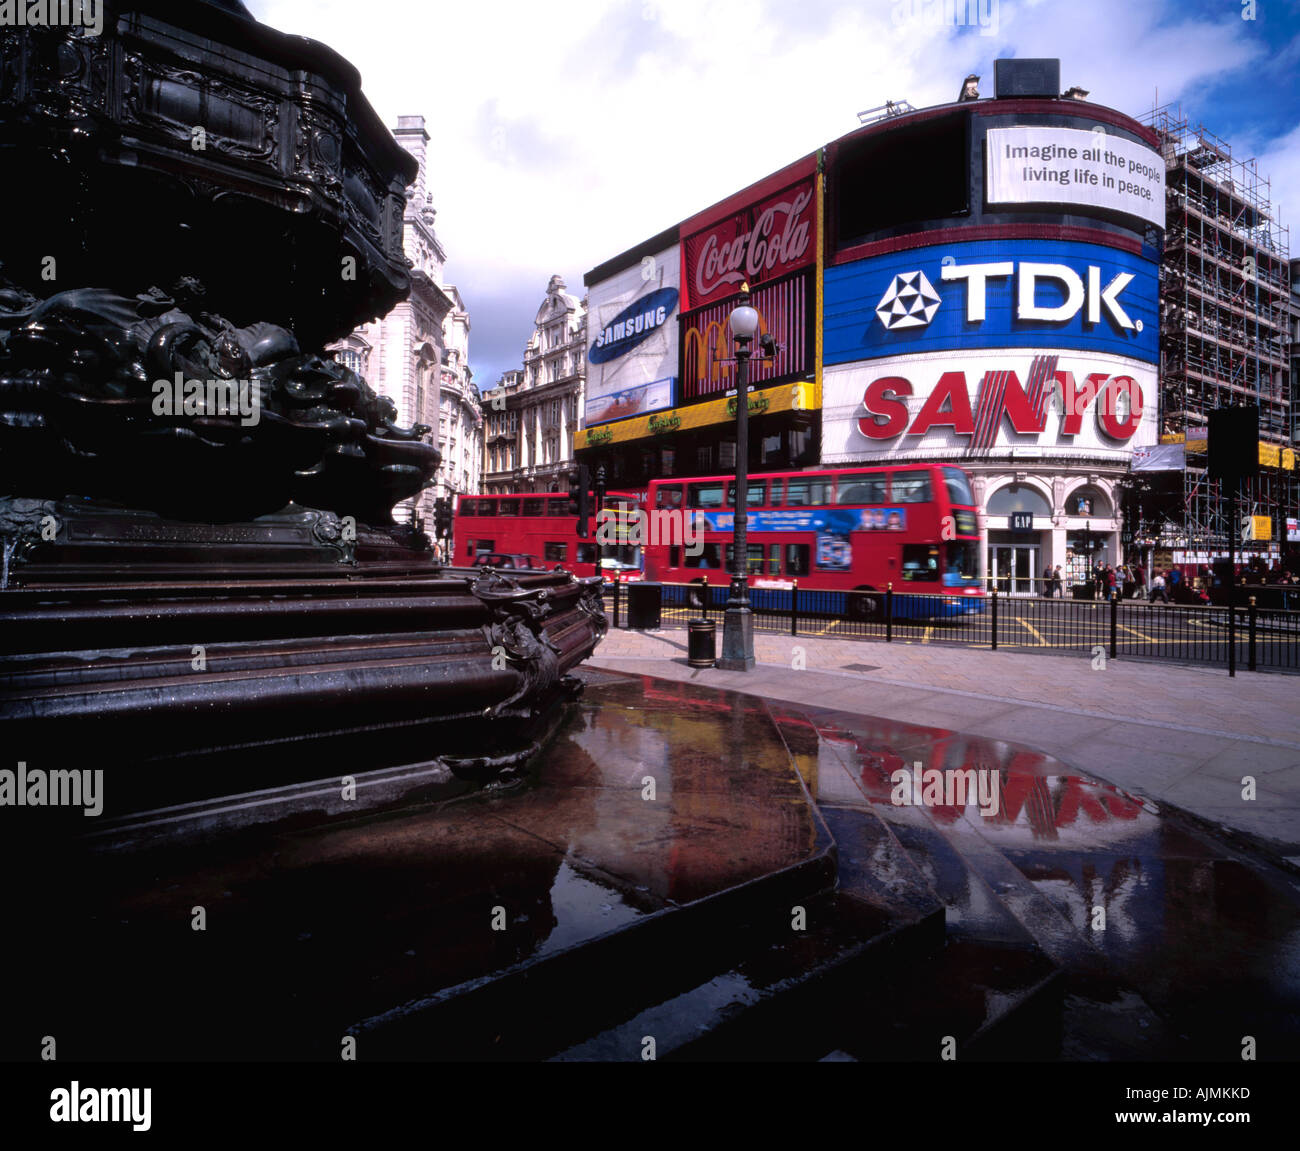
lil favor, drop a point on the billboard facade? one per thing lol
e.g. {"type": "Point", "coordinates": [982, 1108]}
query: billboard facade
{"type": "Point", "coordinates": [967, 405]}
{"type": "Point", "coordinates": [757, 242]}
{"type": "Point", "coordinates": [1076, 167]}
{"type": "Point", "coordinates": [708, 352]}
{"type": "Point", "coordinates": [633, 339]}
{"type": "Point", "coordinates": [1050, 294]}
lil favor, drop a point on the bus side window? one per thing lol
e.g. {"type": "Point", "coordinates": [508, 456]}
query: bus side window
{"type": "Point", "coordinates": [674, 557]}
{"type": "Point", "coordinates": [711, 557]}
{"type": "Point", "coordinates": [800, 493]}
{"type": "Point", "coordinates": [753, 558]}
{"type": "Point", "coordinates": [774, 559]}
{"type": "Point", "coordinates": [755, 494]}
{"type": "Point", "coordinates": [861, 489]}
{"type": "Point", "coordinates": [910, 488]}
{"type": "Point", "coordinates": [705, 495]}
{"type": "Point", "coordinates": [587, 554]}
{"type": "Point", "coordinates": [920, 562]}
{"type": "Point", "coordinates": [668, 496]}
{"type": "Point", "coordinates": [556, 552]}
{"type": "Point", "coordinates": [797, 558]}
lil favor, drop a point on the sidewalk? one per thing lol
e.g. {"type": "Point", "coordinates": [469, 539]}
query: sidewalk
{"type": "Point", "coordinates": [1184, 736]}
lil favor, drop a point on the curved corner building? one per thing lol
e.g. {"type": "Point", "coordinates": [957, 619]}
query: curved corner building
{"type": "Point", "coordinates": [974, 283]}
{"type": "Point", "coordinates": [990, 299]}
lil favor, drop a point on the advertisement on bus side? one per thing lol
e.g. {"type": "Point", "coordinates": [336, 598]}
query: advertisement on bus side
{"type": "Point", "coordinates": [834, 528]}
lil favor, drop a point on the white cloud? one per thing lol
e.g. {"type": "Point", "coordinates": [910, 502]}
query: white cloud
{"type": "Point", "coordinates": [564, 134]}
{"type": "Point", "coordinates": [1280, 165]}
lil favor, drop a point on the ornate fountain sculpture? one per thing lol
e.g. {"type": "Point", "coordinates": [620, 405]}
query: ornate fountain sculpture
{"type": "Point", "coordinates": [195, 206]}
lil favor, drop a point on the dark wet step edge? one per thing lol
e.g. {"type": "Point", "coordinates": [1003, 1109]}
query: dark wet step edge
{"type": "Point", "coordinates": [972, 1000]}
{"type": "Point", "coordinates": [532, 1010]}
{"type": "Point", "coordinates": [781, 1002]}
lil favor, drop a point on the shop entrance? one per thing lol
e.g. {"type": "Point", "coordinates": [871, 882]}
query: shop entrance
{"type": "Point", "coordinates": [1013, 568]}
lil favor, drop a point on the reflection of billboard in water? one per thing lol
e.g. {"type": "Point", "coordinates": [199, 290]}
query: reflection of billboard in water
{"type": "Point", "coordinates": [834, 527]}
{"type": "Point", "coordinates": [655, 396]}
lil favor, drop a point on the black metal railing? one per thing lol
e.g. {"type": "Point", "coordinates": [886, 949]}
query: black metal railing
{"type": "Point", "coordinates": [1112, 628]}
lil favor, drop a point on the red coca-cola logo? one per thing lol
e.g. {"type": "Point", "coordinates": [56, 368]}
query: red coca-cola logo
{"type": "Point", "coordinates": [765, 240]}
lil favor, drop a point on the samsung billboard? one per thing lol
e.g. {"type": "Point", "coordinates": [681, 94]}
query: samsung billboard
{"type": "Point", "coordinates": [1050, 294]}
{"type": "Point", "coordinates": [632, 321]}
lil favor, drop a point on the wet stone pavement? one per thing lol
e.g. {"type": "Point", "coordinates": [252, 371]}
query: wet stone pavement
{"type": "Point", "coordinates": [734, 877]}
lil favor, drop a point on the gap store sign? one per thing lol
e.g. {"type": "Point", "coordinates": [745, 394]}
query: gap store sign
{"type": "Point", "coordinates": [1051, 294]}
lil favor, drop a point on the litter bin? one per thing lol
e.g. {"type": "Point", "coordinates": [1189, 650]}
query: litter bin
{"type": "Point", "coordinates": [644, 605]}
{"type": "Point", "coordinates": [702, 642]}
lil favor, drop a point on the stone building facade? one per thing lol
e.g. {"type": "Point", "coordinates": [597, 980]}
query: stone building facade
{"type": "Point", "coordinates": [417, 354]}
{"type": "Point", "coordinates": [460, 411]}
{"type": "Point", "coordinates": [532, 414]}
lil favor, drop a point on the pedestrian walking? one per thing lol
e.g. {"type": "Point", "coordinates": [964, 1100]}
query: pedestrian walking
{"type": "Point", "coordinates": [1158, 589]}
{"type": "Point", "coordinates": [1056, 588]}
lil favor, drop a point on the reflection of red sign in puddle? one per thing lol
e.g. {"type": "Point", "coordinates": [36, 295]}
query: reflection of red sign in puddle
{"type": "Point", "coordinates": [1030, 794]}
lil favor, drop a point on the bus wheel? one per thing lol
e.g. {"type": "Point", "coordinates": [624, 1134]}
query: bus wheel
{"type": "Point", "coordinates": [698, 594]}
{"type": "Point", "coordinates": [863, 606]}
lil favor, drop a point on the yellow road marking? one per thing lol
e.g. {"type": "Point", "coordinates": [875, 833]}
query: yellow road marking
{"type": "Point", "coordinates": [1029, 627]}
{"type": "Point", "coordinates": [929, 631]}
{"type": "Point", "coordinates": [1134, 631]}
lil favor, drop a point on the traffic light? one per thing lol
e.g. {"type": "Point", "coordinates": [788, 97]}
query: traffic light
{"type": "Point", "coordinates": [579, 504]}
{"type": "Point", "coordinates": [442, 518]}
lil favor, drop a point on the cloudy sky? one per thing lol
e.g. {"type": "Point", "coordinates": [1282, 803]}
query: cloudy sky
{"type": "Point", "coordinates": [563, 134]}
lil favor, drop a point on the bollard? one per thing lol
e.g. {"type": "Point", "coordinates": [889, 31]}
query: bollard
{"type": "Point", "coordinates": [994, 597]}
{"type": "Point", "coordinates": [616, 595]}
{"type": "Point", "coordinates": [889, 613]}
{"type": "Point", "coordinates": [794, 609]}
{"type": "Point", "coordinates": [1251, 642]}
{"type": "Point", "coordinates": [1114, 619]}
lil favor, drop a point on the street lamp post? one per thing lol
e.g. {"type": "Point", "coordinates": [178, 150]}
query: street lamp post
{"type": "Point", "coordinates": [738, 623]}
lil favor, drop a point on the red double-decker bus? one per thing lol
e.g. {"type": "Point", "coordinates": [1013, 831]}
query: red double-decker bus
{"type": "Point", "coordinates": [839, 530]}
{"type": "Point", "coordinates": [543, 526]}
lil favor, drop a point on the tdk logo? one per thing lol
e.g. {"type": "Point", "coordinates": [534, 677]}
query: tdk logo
{"type": "Point", "coordinates": [911, 301]}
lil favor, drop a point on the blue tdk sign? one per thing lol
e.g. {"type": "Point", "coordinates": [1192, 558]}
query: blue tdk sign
{"type": "Point", "coordinates": [1008, 294]}
{"type": "Point", "coordinates": [637, 322]}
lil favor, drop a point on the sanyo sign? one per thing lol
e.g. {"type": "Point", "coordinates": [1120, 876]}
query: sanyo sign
{"type": "Point", "coordinates": [1009, 294]}
{"type": "Point", "coordinates": [974, 403]}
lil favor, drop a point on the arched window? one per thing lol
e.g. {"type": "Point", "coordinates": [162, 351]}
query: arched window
{"type": "Point", "coordinates": [1088, 501]}
{"type": "Point", "coordinates": [1018, 498]}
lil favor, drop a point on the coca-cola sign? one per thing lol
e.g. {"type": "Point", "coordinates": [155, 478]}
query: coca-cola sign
{"type": "Point", "coordinates": [759, 243]}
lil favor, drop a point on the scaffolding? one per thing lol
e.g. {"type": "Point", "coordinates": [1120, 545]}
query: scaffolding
{"type": "Point", "coordinates": [1225, 326]}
